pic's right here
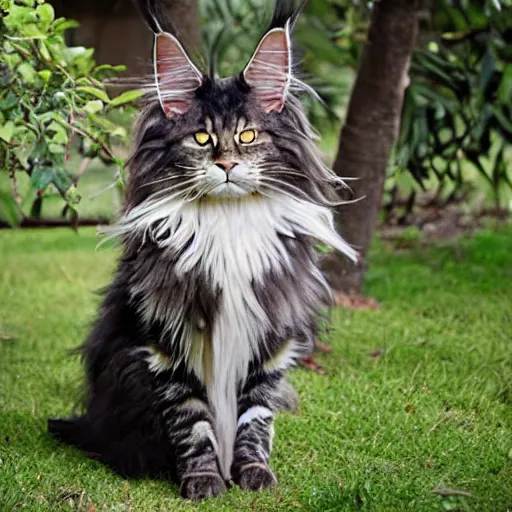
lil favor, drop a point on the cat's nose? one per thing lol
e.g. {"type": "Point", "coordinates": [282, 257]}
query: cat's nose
{"type": "Point", "coordinates": [225, 165]}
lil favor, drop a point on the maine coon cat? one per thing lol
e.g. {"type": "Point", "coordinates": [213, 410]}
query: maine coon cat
{"type": "Point", "coordinates": [217, 290]}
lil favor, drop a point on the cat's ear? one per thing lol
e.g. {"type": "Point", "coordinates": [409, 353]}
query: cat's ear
{"type": "Point", "coordinates": [269, 70]}
{"type": "Point", "coordinates": [176, 77]}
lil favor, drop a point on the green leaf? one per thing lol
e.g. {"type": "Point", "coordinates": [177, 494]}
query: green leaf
{"type": "Point", "coordinates": [46, 14]}
{"type": "Point", "coordinates": [323, 248]}
{"type": "Point", "coordinates": [72, 196]}
{"type": "Point", "coordinates": [487, 69]}
{"type": "Point", "coordinates": [41, 177]}
{"type": "Point", "coordinates": [8, 209]}
{"type": "Point", "coordinates": [505, 87]}
{"type": "Point", "coordinates": [54, 126]}
{"type": "Point", "coordinates": [119, 132]}
{"type": "Point", "coordinates": [9, 102]}
{"type": "Point", "coordinates": [33, 31]}
{"type": "Point", "coordinates": [56, 115]}
{"type": "Point", "coordinates": [60, 137]}
{"type": "Point", "coordinates": [56, 149]}
{"type": "Point", "coordinates": [94, 106]}
{"type": "Point", "coordinates": [110, 69]}
{"type": "Point", "coordinates": [62, 180]}
{"type": "Point", "coordinates": [6, 131]}
{"type": "Point", "coordinates": [23, 154]}
{"type": "Point", "coordinates": [502, 119]}
{"type": "Point", "coordinates": [127, 97]}
{"type": "Point", "coordinates": [61, 24]}
{"type": "Point", "coordinates": [27, 72]}
{"type": "Point", "coordinates": [93, 91]}
{"type": "Point", "coordinates": [45, 53]}
{"type": "Point", "coordinates": [45, 74]}
{"type": "Point", "coordinates": [74, 54]}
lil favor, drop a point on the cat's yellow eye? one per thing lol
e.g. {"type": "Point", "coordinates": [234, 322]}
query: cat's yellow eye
{"type": "Point", "coordinates": [247, 136]}
{"type": "Point", "coordinates": [202, 138]}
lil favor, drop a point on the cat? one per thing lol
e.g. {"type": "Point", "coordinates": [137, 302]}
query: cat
{"type": "Point", "coordinates": [218, 289]}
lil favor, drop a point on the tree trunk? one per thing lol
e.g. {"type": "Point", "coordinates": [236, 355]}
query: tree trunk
{"type": "Point", "coordinates": [184, 15]}
{"type": "Point", "coordinates": [370, 129]}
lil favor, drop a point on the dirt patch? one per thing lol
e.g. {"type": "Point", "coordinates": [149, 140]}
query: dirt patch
{"type": "Point", "coordinates": [431, 220]}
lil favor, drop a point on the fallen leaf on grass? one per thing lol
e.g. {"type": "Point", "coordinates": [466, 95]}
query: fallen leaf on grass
{"type": "Point", "coordinates": [323, 347]}
{"type": "Point", "coordinates": [355, 302]}
{"type": "Point", "coordinates": [310, 364]}
{"type": "Point", "coordinates": [377, 354]}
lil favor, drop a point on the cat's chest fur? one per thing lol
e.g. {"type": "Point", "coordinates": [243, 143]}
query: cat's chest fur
{"type": "Point", "coordinates": [230, 282]}
{"type": "Point", "coordinates": [233, 269]}
{"type": "Point", "coordinates": [226, 250]}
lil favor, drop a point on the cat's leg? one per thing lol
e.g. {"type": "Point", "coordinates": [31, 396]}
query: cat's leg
{"type": "Point", "coordinates": [264, 394]}
{"type": "Point", "coordinates": [144, 420]}
{"type": "Point", "coordinates": [189, 425]}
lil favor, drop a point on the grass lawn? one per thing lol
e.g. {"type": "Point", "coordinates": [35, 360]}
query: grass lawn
{"type": "Point", "coordinates": [418, 395]}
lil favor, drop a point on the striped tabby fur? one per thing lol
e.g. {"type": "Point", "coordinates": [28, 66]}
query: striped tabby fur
{"type": "Point", "coordinates": [217, 291]}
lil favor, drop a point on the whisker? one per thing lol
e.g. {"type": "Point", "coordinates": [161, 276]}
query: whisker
{"type": "Point", "coordinates": [284, 192]}
{"type": "Point", "coordinates": [324, 202]}
{"type": "Point", "coordinates": [169, 197]}
{"type": "Point", "coordinates": [300, 192]}
{"type": "Point", "coordinates": [188, 167]}
{"type": "Point", "coordinates": [287, 173]}
{"type": "Point", "coordinates": [336, 181]}
{"type": "Point", "coordinates": [190, 180]}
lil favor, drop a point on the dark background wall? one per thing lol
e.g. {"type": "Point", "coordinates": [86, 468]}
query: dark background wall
{"type": "Point", "coordinates": [114, 28]}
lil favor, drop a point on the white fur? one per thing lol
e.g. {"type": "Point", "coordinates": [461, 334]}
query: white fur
{"type": "Point", "coordinates": [286, 357]}
{"type": "Point", "coordinates": [235, 242]}
{"type": "Point", "coordinates": [258, 411]}
{"type": "Point", "coordinates": [200, 431]}
{"type": "Point", "coordinates": [157, 362]}
{"type": "Point", "coordinates": [221, 185]}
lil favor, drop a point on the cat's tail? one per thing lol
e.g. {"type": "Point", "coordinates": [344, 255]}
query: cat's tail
{"type": "Point", "coordinates": [72, 431]}
{"type": "Point", "coordinates": [131, 453]}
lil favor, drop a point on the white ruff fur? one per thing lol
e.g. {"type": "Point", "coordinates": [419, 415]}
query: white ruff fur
{"type": "Point", "coordinates": [235, 242]}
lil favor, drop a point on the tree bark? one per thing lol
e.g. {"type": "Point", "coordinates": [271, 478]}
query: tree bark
{"type": "Point", "coordinates": [184, 15]}
{"type": "Point", "coordinates": [370, 129]}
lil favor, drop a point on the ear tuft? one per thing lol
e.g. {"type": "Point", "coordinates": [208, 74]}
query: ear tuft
{"type": "Point", "coordinates": [269, 70]}
{"type": "Point", "coordinates": [176, 77]}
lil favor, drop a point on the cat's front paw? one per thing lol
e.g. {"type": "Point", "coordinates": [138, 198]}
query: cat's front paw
{"type": "Point", "coordinates": [199, 486]}
{"type": "Point", "coordinates": [255, 477]}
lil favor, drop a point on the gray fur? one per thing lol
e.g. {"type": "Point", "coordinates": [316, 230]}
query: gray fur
{"type": "Point", "coordinates": [218, 289]}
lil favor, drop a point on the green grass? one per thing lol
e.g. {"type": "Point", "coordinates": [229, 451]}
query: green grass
{"type": "Point", "coordinates": [417, 396]}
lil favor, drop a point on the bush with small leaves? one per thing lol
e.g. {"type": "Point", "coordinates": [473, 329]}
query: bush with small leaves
{"type": "Point", "coordinates": [456, 122]}
{"type": "Point", "coordinates": [51, 94]}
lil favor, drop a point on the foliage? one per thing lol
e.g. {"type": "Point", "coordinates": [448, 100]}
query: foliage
{"type": "Point", "coordinates": [458, 109]}
{"type": "Point", "coordinates": [50, 95]}
{"type": "Point", "coordinates": [329, 38]}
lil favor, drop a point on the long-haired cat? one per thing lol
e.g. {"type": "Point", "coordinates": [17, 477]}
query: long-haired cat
{"type": "Point", "coordinates": [217, 290]}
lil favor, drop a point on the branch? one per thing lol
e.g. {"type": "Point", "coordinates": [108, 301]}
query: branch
{"type": "Point", "coordinates": [14, 188]}
{"type": "Point", "coordinates": [84, 165]}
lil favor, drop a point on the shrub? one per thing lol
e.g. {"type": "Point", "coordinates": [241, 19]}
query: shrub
{"type": "Point", "coordinates": [457, 111]}
{"type": "Point", "coordinates": [51, 95]}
